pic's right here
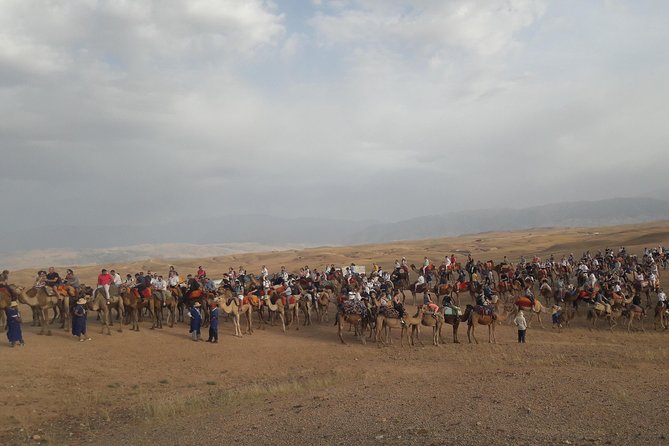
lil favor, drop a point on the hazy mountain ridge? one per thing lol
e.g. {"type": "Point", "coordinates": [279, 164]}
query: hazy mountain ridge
{"type": "Point", "coordinates": [585, 213]}
{"type": "Point", "coordinates": [255, 233]}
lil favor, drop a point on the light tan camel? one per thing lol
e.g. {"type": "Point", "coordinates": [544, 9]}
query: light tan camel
{"type": "Point", "coordinates": [356, 320]}
{"type": "Point", "coordinates": [115, 303]}
{"type": "Point", "coordinates": [436, 321]}
{"type": "Point", "coordinates": [634, 313]}
{"type": "Point", "coordinates": [596, 313]}
{"type": "Point", "coordinates": [41, 302]}
{"type": "Point", "coordinates": [230, 307]}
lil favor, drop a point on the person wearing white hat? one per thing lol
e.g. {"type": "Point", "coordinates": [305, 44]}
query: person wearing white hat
{"type": "Point", "coordinates": [79, 320]}
{"type": "Point", "coordinates": [14, 333]}
{"type": "Point", "coordinates": [520, 322]}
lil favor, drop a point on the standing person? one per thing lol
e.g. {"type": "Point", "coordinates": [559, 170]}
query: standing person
{"type": "Point", "coordinates": [14, 334]}
{"type": "Point", "coordinates": [195, 321]}
{"type": "Point", "coordinates": [520, 322]}
{"type": "Point", "coordinates": [213, 322]}
{"type": "Point", "coordinates": [104, 280]}
{"type": "Point", "coordinates": [79, 320]}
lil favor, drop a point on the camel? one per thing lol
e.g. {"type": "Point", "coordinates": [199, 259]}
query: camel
{"type": "Point", "coordinates": [386, 324]}
{"type": "Point", "coordinates": [115, 302]}
{"type": "Point", "coordinates": [435, 321]}
{"type": "Point", "coordinates": [305, 304]}
{"type": "Point", "coordinates": [597, 312]}
{"type": "Point", "coordinates": [634, 312]}
{"type": "Point", "coordinates": [322, 304]}
{"type": "Point", "coordinates": [134, 305]}
{"type": "Point", "coordinates": [661, 316]}
{"type": "Point", "coordinates": [5, 301]}
{"type": "Point", "coordinates": [357, 320]}
{"type": "Point", "coordinates": [275, 309]}
{"type": "Point", "coordinates": [400, 281]}
{"type": "Point", "coordinates": [447, 289]}
{"type": "Point", "coordinates": [474, 318]}
{"type": "Point", "coordinates": [230, 307]}
{"type": "Point", "coordinates": [524, 304]}
{"type": "Point", "coordinates": [172, 303]}
{"type": "Point", "coordinates": [644, 287]}
{"type": "Point", "coordinates": [99, 303]}
{"type": "Point", "coordinates": [41, 302]}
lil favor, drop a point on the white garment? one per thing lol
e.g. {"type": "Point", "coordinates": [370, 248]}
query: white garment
{"type": "Point", "coordinates": [117, 279]}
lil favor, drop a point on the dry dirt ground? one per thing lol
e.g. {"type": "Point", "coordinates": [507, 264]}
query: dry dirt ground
{"type": "Point", "coordinates": [304, 387]}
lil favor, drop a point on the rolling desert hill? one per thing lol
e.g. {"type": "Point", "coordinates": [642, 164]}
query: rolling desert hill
{"type": "Point", "coordinates": [490, 245]}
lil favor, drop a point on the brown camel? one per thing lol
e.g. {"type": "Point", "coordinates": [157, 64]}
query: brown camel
{"type": "Point", "coordinates": [134, 306]}
{"type": "Point", "coordinates": [599, 312]}
{"type": "Point", "coordinates": [387, 323]}
{"type": "Point", "coordinates": [357, 320]}
{"type": "Point", "coordinates": [305, 305]}
{"type": "Point", "coordinates": [322, 304]}
{"type": "Point", "coordinates": [455, 320]}
{"type": "Point", "coordinates": [474, 318]}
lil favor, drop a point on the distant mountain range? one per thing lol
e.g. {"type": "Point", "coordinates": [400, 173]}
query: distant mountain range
{"type": "Point", "coordinates": [84, 244]}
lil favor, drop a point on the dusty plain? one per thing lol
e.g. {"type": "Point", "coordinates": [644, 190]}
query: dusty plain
{"type": "Point", "coordinates": [157, 387]}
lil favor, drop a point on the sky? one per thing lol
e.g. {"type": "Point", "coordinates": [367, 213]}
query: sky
{"type": "Point", "coordinates": [135, 112]}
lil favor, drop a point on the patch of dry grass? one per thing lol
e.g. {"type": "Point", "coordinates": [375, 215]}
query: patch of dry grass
{"type": "Point", "coordinates": [180, 405]}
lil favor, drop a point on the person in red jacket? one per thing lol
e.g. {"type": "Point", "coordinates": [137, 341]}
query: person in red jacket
{"type": "Point", "coordinates": [104, 280]}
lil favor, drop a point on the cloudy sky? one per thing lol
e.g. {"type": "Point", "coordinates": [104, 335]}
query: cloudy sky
{"type": "Point", "coordinates": [118, 111]}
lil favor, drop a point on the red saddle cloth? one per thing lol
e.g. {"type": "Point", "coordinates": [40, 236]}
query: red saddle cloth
{"type": "Point", "coordinates": [463, 286]}
{"type": "Point", "coordinates": [524, 301]}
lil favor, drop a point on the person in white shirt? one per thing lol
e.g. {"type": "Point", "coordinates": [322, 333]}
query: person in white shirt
{"type": "Point", "coordinates": [263, 272]}
{"type": "Point", "coordinates": [118, 281]}
{"type": "Point", "coordinates": [173, 280]}
{"type": "Point", "coordinates": [420, 282]}
{"type": "Point", "coordinates": [592, 280]}
{"type": "Point", "coordinates": [661, 297]}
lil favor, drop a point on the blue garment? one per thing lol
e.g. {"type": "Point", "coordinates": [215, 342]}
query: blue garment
{"type": "Point", "coordinates": [13, 325]}
{"type": "Point", "coordinates": [213, 324]}
{"type": "Point", "coordinates": [79, 320]}
{"type": "Point", "coordinates": [195, 320]}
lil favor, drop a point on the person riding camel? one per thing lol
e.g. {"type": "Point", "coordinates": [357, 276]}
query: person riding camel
{"type": "Point", "coordinates": [404, 265]}
{"type": "Point", "coordinates": [397, 266]}
{"type": "Point", "coordinates": [662, 298]}
{"type": "Point", "coordinates": [447, 302]}
{"type": "Point", "coordinates": [476, 279]}
{"type": "Point", "coordinates": [53, 280]}
{"type": "Point", "coordinates": [420, 283]}
{"type": "Point", "coordinates": [529, 293]}
{"type": "Point", "coordinates": [426, 264]}
{"type": "Point", "coordinates": [238, 292]}
{"type": "Point", "coordinates": [160, 285]}
{"type": "Point", "coordinates": [398, 306]}
{"type": "Point", "coordinates": [432, 307]}
{"type": "Point", "coordinates": [104, 281]}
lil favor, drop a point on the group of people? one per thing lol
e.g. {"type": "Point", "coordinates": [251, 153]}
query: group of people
{"type": "Point", "coordinates": [600, 273]}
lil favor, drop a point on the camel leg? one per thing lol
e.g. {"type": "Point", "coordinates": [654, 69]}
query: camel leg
{"type": "Point", "coordinates": [283, 322]}
{"type": "Point", "coordinates": [470, 334]}
{"type": "Point", "coordinates": [341, 338]}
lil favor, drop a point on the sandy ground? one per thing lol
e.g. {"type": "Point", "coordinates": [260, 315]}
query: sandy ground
{"type": "Point", "coordinates": [304, 387]}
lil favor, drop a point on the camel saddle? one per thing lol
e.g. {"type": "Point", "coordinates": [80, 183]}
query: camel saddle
{"type": "Point", "coordinates": [463, 285]}
{"type": "Point", "coordinates": [195, 294]}
{"type": "Point", "coordinates": [485, 311]}
{"type": "Point", "coordinates": [448, 311]}
{"type": "Point", "coordinates": [602, 308]}
{"type": "Point", "coordinates": [354, 307]}
{"type": "Point", "coordinates": [524, 302]}
{"type": "Point", "coordinates": [251, 299]}
{"type": "Point", "coordinates": [389, 312]}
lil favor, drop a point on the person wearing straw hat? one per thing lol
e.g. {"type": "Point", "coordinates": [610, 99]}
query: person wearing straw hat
{"type": "Point", "coordinates": [195, 321]}
{"type": "Point", "coordinates": [213, 322]}
{"type": "Point", "coordinates": [14, 324]}
{"type": "Point", "coordinates": [79, 320]}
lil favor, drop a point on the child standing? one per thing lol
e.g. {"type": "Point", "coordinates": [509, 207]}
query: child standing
{"type": "Point", "coordinates": [521, 323]}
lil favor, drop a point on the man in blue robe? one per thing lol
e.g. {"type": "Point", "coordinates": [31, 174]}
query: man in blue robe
{"type": "Point", "coordinates": [195, 321]}
{"type": "Point", "coordinates": [14, 325]}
